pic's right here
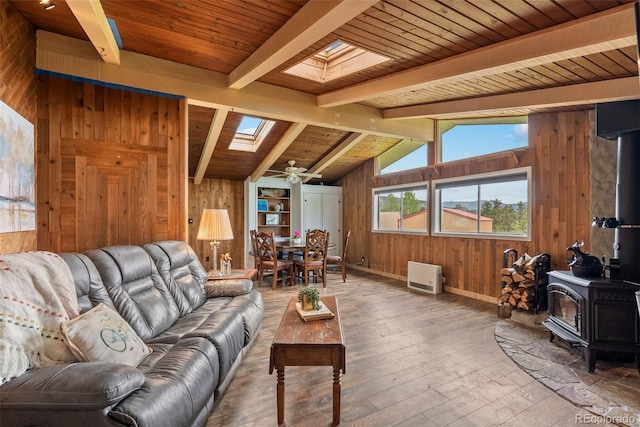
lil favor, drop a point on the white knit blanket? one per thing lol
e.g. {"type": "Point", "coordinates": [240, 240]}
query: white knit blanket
{"type": "Point", "coordinates": [37, 294]}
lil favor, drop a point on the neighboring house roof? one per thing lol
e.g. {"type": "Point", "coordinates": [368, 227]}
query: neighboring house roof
{"type": "Point", "coordinates": [466, 214]}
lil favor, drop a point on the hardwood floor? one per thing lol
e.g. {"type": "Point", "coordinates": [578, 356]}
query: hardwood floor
{"type": "Point", "coordinates": [412, 360]}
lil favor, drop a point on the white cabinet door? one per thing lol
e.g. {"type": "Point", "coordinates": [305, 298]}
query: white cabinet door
{"type": "Point", "coordinates": [323, 210]}
{"type": "Point", "coordinates": [332, 218]}
{"type": "Point", "coordinates": [312, 211]}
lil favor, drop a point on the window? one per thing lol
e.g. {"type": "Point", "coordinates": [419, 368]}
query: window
{"type": "Point", "coordinates": [336, 60]}
{"type": "Point", "coordinates": [250, 133]}
{"type": "Point", "coordinates": [405, 155]}
{"type": "Point", "coordinates": [401, 208]}
{"type": "Point", "coordinates": [488, 204]}
{"type": "Point", "coordinates": [461, 139]}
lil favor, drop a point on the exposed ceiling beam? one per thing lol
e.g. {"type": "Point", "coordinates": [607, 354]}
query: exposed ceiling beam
{"type": "Point", "coordinates": [315, 20]}
{"type": "Point", "coordinates": [215, 129]}
{"type": "Point", "coordinates": [604, 31]}
{"type": "Point", "coordinates": [289, 136]}
{"type": "Point", "coordinates": [93, 21]}
{"type": "Point", "coordinates": [349, 142]}
{"type": "Point", "coordinates": [73, 57]}
{"type": "Point", "coordinates": [579, 94]}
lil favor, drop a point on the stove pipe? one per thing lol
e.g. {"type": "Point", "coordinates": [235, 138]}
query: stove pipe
{"type": "Point", "coordinates": [626, 247]}
{"type": "Point", "coordinates": [621, 121]}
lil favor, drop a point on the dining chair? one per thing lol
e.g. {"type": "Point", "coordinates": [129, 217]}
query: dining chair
{"type": "Point", "coordinates": [315, 256]}
{"type": "Point", "coordinates": [269, 261]}
{"type": "Point", "coordinates": [256, 253]}
{"type": "Point", "coordinates": [341, 261]}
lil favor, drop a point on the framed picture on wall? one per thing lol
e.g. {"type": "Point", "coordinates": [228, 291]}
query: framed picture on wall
{"type": "Point", "coordinates": [17, 177]}
{"type": "Point", "coordinates": [272, 219]}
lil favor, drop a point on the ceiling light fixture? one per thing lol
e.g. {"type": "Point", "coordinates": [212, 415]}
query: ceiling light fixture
{"type": "Point", "coordinates": [47, 4]}
{"type": "Point", "coordinates": [292, 179]}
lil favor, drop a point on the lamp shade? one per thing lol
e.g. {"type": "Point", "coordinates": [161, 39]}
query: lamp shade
{"type": "Point", "coordinates": [215, 225]}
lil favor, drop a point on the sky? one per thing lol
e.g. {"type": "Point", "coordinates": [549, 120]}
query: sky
{"type": "Point", "coordinates": [249, 125]}
{"type": "Point", "coordinates": [506, 192]}
{"type": "Point", "coordinates": [464, 141]}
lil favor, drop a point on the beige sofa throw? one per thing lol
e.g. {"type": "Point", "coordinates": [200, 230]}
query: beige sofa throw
{"type": "Point", "coordinates": [37, 294]}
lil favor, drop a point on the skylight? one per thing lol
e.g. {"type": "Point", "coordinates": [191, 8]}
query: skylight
{"type": "Point", "coordinates": [250, 133]}
{"type": "Point", "coordinates": [249, 126]}
{"type": "Point", "coordinates": [334, 61]}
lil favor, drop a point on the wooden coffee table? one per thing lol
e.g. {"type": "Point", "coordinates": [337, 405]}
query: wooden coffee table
{"type": "Point", "coordinates": [313, 343]}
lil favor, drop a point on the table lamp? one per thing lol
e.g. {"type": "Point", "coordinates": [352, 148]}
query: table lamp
{"type": "Point", "coordinates": [215, 226]}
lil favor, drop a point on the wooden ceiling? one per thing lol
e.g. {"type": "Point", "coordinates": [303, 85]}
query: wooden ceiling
{"type": "Point", "coordinates": [449, 59]}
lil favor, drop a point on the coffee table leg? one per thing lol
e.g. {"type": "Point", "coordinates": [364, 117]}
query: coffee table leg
{"type": "Point", "coordinates": [336, 395]}
{"type": "Point", "coordinates": [280, 394]}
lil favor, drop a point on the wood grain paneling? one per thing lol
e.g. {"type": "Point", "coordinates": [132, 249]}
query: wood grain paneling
{"type": "Point", "coordinates": [218, 194]}
{"type": "Point", "coordinates": [111, 166]}
{"type": "Point", "coordinates": [18, 91]}
{"type": "Point", "coordinates": [558, 153]}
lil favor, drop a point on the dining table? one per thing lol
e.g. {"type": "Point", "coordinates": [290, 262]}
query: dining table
{"type": "Point", "coordinates": [287, 246]}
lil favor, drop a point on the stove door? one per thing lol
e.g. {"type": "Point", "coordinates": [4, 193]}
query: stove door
{"type": "Point", "coordinates": [565, 308]}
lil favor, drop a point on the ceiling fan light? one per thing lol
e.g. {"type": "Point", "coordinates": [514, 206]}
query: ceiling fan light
{"type": "Point", "coordinates": [293, 179]}
{"type": "Point", "coordinates": [47, 4]}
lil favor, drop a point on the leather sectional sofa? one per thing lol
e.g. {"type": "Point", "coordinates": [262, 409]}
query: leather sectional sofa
{"type": "Point", "coordinates": [198, 332]}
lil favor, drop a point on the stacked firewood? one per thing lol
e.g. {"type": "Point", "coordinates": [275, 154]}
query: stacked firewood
{"type": "Point", "coordinates": [519, 287]}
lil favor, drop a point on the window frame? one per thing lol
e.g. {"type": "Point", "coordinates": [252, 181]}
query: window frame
{"type": "Point", "coordinates": [422, 185]}
{"type": "Point", "coordinates": [479, 179]}
{"type": "Point", "coordinates": [251, 142]}
{"type": "Point", "coordinates": [398, 152]}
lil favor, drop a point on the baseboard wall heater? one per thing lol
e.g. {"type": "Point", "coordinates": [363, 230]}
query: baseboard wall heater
{"type": "Point", "coordinates": [425, 278]}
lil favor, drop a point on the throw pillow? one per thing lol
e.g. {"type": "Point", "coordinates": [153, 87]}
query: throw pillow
{"type": "Point", "coordinates": [101, 335]}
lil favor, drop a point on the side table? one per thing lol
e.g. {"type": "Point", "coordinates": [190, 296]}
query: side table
{"type": "Point", "coordinates": [241, 273]}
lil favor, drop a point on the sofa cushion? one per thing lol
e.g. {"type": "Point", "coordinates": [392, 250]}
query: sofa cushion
{"type": "Point", "coordinates": [213, 322]}
{"type": "Point", "coordinates": [251, 308]}
{"type": "Point", "coordinates": [101, 335]}
{"type": "Point", "coordinates": [182, 271]}
{"type": "Point", "coordinates": [138, 292]}
{"type": "Point", "coordinates": [179, 383]}
{"type": "Point", "coordinates": [90, 290]}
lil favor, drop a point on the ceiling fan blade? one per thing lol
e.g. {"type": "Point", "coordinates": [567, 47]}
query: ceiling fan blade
{"type": "Point", "coordinates": [279, 175]}
{"type": "Point", "coordinates": [310, 175]}
{"type": "Point", "coordinates": [274, 171]}
{"type": "Point", "coordinates": [300, 170]}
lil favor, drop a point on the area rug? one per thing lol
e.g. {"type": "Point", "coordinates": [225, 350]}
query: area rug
{"type": "Point", "coordinates": [611, 393]}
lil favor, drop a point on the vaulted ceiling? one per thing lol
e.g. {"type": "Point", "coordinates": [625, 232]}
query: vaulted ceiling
{"type": "Point", "coordinates": [448, 59]}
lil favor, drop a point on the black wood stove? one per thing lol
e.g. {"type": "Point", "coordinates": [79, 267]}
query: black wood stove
{"type": "Point", "coordinates": [600, 314]}
{"type": "Point", "coordinates": [593, 315]}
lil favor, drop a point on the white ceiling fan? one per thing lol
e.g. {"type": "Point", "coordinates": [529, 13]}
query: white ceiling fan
{"type": "Point", "coordinates": [293, 174]}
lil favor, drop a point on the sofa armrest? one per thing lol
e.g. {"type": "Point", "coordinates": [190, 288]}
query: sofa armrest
{"type": "Point", "coordinates": [228, 287]}
{"type": "Point", "coordinates": [78, 385]}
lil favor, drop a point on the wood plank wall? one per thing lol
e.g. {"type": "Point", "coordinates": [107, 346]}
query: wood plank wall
{"type": "Point", "coordinates": [111, 166]}
{"type": "Point", "coordinates": [218, 194]}
{"type": "Point", "coordinates": [18, 91]}
{"type": "Point", "coordinates": [558, 153]}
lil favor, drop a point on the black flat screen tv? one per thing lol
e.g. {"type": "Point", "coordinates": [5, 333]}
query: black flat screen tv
{"type": "Point", "coordinates": [616, 118]}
